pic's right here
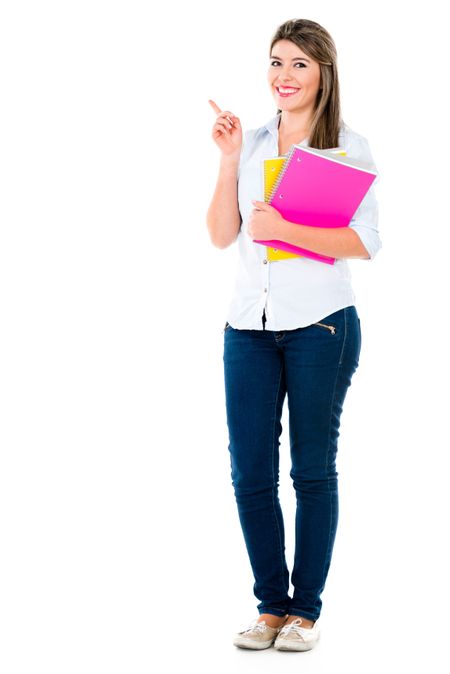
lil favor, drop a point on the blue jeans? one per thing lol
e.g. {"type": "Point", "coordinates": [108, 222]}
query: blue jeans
{"type": "Point", "coordinates": [314, 366]}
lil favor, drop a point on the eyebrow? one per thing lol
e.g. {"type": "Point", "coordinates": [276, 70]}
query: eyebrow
{"type": "Point", "coordinates": [297, 58]}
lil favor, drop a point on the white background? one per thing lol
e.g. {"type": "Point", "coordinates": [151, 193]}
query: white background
{"type": "Point", "coordinates": [120, 541]}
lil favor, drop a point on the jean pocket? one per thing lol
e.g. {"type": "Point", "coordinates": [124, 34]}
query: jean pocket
{"type": "Point", "coordinates": [326, 326]}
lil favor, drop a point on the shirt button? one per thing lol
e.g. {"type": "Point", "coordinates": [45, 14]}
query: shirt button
{"type": "Point", "coordinates": [265, 261]}
{"type": "Point", "coordinates": [265, 290]}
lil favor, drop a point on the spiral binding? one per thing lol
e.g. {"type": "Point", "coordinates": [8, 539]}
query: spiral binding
{"type": "Point", "coordinates": [281, 174]}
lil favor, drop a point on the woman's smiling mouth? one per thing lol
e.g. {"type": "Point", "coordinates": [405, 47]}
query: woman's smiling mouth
{"type": "Point", "coordinates": [286, 91]}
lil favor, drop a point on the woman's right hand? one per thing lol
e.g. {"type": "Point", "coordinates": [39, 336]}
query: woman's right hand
{"type": "Point", "coordinates": [227, 132]}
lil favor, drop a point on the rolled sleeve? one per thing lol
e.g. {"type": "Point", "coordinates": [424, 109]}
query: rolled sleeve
{"type": "Point", "coordinates": [365, 219]}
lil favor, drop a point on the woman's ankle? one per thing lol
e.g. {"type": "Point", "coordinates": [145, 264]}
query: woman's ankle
{"type": "Point", "coordinates": [271, 619]}
{"type": "Point", "coordinates": [306, 622]}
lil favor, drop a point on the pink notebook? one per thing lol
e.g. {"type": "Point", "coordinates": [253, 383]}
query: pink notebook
{"type": "Point", "coordinates": [320, 190]}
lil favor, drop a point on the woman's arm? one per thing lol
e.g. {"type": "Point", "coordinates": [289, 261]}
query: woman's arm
{"type": "Point", "coordinates": [335, 242]}
{"type": "Point", "coordinates": [223, 217]}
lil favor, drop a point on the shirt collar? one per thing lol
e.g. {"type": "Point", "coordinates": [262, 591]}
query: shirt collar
{"type": "Point", "coordinates": [272, 124]}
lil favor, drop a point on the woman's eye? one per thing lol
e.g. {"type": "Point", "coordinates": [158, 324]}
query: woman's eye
{"type": "Point", "coordinates": [297, 64]}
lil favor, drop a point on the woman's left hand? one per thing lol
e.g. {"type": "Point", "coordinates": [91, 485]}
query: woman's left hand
{"type": "Point", "coordinates": [265, 222]}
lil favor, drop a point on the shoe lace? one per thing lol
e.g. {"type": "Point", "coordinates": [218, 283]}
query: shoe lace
{"type": "Point", "coordinates": [295, 626]}
{"type": "Point", "coordinates": [256, 627]}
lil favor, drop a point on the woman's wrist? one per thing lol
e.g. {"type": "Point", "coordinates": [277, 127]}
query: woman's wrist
{"type": "Point", "coordinates": [230, 161]}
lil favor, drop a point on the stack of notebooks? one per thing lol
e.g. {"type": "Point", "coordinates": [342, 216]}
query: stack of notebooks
{"type": "Point", "coordinates": [318, 188]}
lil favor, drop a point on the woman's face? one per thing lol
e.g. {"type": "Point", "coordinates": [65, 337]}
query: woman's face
{"type": "Point", "coordinates": [291, 68]}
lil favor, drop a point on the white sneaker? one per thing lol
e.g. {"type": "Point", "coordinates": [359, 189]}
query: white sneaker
{"type": "Point", "coordinates": [257, 635]}
{"type": "Point", "coordinates": [293, 637]}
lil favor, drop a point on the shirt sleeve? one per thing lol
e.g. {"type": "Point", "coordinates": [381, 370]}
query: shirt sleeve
{"type": "Point", "coordinates": [245, 135]}
{"type": "Point", "coordinates": [245, 142]}
{"type": "Point", "coordinates": [365, 219]}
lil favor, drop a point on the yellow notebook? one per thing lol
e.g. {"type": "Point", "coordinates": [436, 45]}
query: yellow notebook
{"type": "Point", "coordinates": [272, 168]}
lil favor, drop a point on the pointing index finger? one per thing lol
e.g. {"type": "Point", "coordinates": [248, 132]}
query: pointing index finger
{"type": "Point", "coordinates": [214, 106]}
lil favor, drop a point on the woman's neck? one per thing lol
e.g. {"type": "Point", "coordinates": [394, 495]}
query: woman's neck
{"type": "Point", "coordinates": [294, 125]}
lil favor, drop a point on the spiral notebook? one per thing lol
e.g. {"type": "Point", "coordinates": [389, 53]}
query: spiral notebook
{"type": "Point", "coordinates": [271, 171]}
{"type": "Point", "coordinates": [318, 189]}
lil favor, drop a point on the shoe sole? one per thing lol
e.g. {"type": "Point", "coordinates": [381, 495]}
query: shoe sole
{"type": "Point", "coordinates": [295, 646]}
{"type": "Point", "coordinates": [254, 645]}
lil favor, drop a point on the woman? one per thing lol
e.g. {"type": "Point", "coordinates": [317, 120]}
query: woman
{"type": "Point", "coordinates": [292, 329]}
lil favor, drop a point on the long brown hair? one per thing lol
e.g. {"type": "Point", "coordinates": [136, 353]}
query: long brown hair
{"type": "Point", "coordinates": [318, 44]}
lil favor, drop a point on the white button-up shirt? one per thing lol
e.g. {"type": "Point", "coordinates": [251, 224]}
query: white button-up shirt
{"type": "Point", "coordinates": [297, 291]}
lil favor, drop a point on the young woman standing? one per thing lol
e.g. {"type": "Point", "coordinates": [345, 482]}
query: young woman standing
{"type": "Point", "coordinates": [292, 330]}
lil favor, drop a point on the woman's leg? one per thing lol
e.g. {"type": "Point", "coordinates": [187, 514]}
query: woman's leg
{"type": "Point", "coordinates": [255, 390]}
{"type": "Point", "coordinates": [320, 362]}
